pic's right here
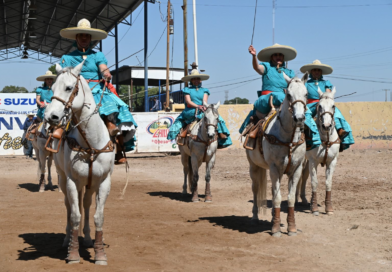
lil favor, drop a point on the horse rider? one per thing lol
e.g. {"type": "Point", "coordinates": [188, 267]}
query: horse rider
{"type": "Point", "coordinates": [195, 95]}
{"type": "Point", "coordinates": [28, 150]}
{"type": "Point", "coordinates": [43, 98]}
{"type": "Point", "coordinates": [114, 112]}
{"type": "Point", "coordinates": [317, 70]}
{"type": "Point", "coordinates": [271, 68]}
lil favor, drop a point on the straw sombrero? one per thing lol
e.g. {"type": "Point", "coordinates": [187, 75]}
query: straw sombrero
{"type": "Point", "coordinates": [84, 27]}
{"type": "Point", "coordinates": [30, 114]}
{"type": "Point", "coordinates": [317, 65]}
{"type": "Point", "coordinates": [195, 74]}
{"type": "Point", "coordinates": [288, 52]}
{"type": "Point", "coordinates": [48, 74]}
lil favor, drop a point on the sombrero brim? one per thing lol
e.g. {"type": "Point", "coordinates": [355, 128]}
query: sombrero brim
{"type": "Point", "coordinates": [71, 32]}
{"type": "Point", "coordinates": [288, 52]}
{"type": "Point", "coordinates": [189, 77]}
{"type": "Point", "coordinates": [326, 69]}
{"type": "Point", "coordinates": [42, 78]}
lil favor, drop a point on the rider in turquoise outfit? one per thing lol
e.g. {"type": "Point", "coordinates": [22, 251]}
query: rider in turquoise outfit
{"type": "Point", "coordinates": [195, 94]}
{"type": "Point", "coordinates": [271, 69]}
{"type": "Point", "coordinates": [113, 111]}
{"type": "Point", "coordinates": [316, 81]}
{"type": "Point", "coordinates": [44, 94]}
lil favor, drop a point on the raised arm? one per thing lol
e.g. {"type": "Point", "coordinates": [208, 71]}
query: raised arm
{"type": "Point", "coordinates": [256, 66]}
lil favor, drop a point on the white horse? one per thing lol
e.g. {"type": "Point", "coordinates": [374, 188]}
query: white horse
{"type": "Point", "coordinates": [326, 154]}
{"type": "Point", "coordinates": [44, 158]}
{"type": "Point", "coordinates": [201, 148]}
{"type": "Point", "coordinates": [283, 153]}
{"type": "Point", "coordinates": [73, 98]}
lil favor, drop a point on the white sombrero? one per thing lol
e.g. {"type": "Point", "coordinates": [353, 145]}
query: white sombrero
{"type": "Point", "coordinates": [317, 65]}
{"type": "Point", "coordinates": [288, 52]}
{"type": "Point", "coordinates": [195, 74]}
{"type": "Point", "coordinates": [31, 114]}
{"type": "Point", "coordinates": [84, 27]}
{"type": "Point", "coordinates": [48, 74]}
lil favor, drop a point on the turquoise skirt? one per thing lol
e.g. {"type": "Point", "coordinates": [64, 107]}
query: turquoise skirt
{"type": "Point", "coordinates": [111, 104]}
{"type": "Point", "coordinates": [188, 116]}
{"type": "Point", "coordinates": [41, 113]}
{"type": "Point", "coordinates": [340, 122]}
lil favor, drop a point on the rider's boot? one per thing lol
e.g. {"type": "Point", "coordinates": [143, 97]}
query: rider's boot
{"type": "Point", "coordinates": [112, 128]}
{"type": "Point", "coordinates": [120, 159]}
{"type": "Point", "coordinates": [342, 134]}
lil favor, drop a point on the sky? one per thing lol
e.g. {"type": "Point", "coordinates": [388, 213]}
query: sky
{"type": "Point", "coordinates": [352, 36]}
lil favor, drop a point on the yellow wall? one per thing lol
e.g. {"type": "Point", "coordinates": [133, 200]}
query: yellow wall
{"type": "Point", "coordinates": [371, 122]}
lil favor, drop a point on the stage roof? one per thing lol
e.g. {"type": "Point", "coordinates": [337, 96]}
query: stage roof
{"type": "Point", "coordinates": [52, 16]}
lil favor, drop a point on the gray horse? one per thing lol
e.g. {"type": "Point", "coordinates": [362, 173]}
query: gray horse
{"type": "Point", "coordinates": [282, 137]}
{"type": "Point", "coordinates": [201, 148]}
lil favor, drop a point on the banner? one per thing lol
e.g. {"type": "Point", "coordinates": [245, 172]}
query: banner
{"type": "Point", "coordinates": [20, 103]}
{"type": "Point", "coordinates": [152, 131]}
{"type": "Point", "coordinates": [11, 132]}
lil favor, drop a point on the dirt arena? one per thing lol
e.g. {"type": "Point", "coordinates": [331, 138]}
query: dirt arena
{"type": "Point", "coordinates": [155, 228]}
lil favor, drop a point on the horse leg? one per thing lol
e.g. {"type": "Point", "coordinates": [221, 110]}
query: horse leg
{"type": "Point", "coordinates": [100, 199]}
{"type": "Point", "coordinates": [259, 182]}
{"type": "Point", "coordinates": [313, 177]}
{"type": "Point", "coordinates": [275, 176]}
{"type": "Point", "coordinates": [73, 198]}
{"type": "Point", "coordinates": [293, 181]}
{"type": "Point", "coordinates": [49, 164]}
{"type": "Point", "coordinates": [87, 199]}
{"type": "Point", "coordinates": [209, 166]}
{"type": "Point", "coordinates": [195, 169]}
{"type": "Point", "coordinates": [68, 228]}
{"type": "Point", "coordinates": [301, 187]}
{"type": "Point", "coordinates": [185, 165]}
{"type": "Point", "coordinates": [42, 160]}
{"type": "Point", "coordinates": [330, 169]}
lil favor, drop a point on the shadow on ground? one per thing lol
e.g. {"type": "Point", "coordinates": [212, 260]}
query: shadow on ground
{"type": "Point", "coordinates": [175, 196]}
{"type": "Point", "coordinates": [34, 187]}
{"type": "Point", "coordinates": [239, 223]}
{"type": "Point", "coordinates": [48, 245]}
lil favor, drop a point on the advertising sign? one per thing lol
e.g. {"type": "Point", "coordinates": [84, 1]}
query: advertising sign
{"type": "Point", "coordinates": [152, 131]}
{"type": "Point", "coordinates": [20, 103]}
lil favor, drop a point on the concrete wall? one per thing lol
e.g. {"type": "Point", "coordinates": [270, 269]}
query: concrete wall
{"type": "Point", "coordinates": [371, 122]}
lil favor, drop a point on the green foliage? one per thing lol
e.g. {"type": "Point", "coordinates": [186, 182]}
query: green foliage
{"type": "Point", "coordinates": [14, 89]}
{"type": "Point", "coordinates": [53, 69]}
{"type": "Point", "coordinates": [237, 100]}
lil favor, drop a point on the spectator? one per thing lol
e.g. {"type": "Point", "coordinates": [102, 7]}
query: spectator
{"type": "Point", "coordinates": [28, 150]}
{"type": "Point", "coordinates": [157, 105]}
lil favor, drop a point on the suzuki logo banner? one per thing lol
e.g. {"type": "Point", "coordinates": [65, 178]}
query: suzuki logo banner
{"type": "Point", "coordinates": [13, 113]}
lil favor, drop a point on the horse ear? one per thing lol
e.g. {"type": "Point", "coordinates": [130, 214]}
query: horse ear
{"type": "Point", "coordinates": [287, 78]}
{"type": "Point", "coordinates": [58, 68]}
{"type": "Point", "coordinates": [305, 77]}
{"type": "Point", "coordinates": [333, 91]}
{"type": "Point", "coordinates": [217, 105]}
{"type": "Point", "coordinates": [205, 104]}
{"type": "Point", "coordinates": [320, 92]}
{"type": "Point", "coordinates": [77, 69]}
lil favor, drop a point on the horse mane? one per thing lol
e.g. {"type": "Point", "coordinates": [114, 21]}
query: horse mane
{"type": "Point", "coordinates": [214, 111]}
{"type": "Point", "coordinates": [327, 95]}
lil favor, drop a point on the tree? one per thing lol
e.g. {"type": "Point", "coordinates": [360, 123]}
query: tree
{"type": "Point", "coordinates": [14, 89]}
{"type": "Point", "coordinates": [237, 100]}
{"type": "Point", "coordinates": [53, 69]}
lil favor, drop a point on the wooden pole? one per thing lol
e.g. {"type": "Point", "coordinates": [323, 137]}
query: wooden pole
{"type": "Point", "coordinates": [185, 9]}
{"type": "Point", "coordinates": [130, 96]}
{"type": "Point", "coordinates": [167, 57]}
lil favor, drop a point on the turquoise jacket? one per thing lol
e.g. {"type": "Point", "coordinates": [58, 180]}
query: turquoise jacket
{"type": "Point", "coordinates": [273, 80]}
{"type": "Point", "coordinates": [312, 86]}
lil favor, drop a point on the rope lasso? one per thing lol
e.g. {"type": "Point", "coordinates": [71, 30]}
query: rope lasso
{"type": "Point", "coordinates": [345, 95]}
{"type": "Point", "coordinates": [254, 24]}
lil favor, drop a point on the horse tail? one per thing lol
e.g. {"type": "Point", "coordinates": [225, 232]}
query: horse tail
{"type": "Point", "coordinates": [262, 192]}
{"type": "Point", "coordinates": [81, 210]}
{"type": "Point", "coordinates": [190, 174]}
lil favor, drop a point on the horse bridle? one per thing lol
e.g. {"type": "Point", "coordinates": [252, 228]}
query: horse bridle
{"type": "Point", "coordinates": [75, 91]}
{"type": "Point", "coordinates": [332, 114]}
{"type": "Point", "coordinates": [207, 124]}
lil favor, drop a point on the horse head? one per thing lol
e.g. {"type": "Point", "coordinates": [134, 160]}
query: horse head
{"type": "Point", "coordinates": [211, 117]}
{"type": "Point", "coordinates": [296, 98]}
{"type": "Point", "coordinates": [66, 98]}
{"type": "Point", "coordinates": [326, 110]}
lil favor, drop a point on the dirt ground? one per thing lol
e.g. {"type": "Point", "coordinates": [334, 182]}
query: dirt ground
{"type": "Point", "coordinates": [155, 228]}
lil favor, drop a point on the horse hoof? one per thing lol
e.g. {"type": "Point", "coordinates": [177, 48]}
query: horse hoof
{"type": "Point", "coordinates": [195, 200]}
{"type": "Point", "coordinates": [73, 262]}
{"type": "Point", "coordinates": [277, 234]}
{"type": "Point", "coordinates": [315, 213]}
{"type": "Point", "coordinates": [184, 192]}
{"type": "Point", "coordinates": [101, 262]}
{"type": "Point", "coordinates": [329, 213]}
{"type": "Point", "coordinates": [292, 233]}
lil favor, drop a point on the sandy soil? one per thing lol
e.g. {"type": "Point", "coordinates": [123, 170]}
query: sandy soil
{"type": "Point", "coordinates": [155, 228]}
